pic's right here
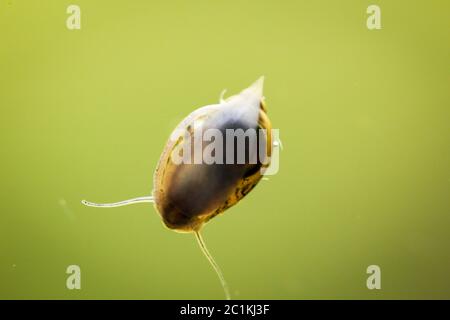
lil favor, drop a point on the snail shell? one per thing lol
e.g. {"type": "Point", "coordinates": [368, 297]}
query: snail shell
{"type": "Point", "coordinates": [187, 195]}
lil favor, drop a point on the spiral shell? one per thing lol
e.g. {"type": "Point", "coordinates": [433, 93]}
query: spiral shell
{"type": "Point", "coordinates": [187, 195]}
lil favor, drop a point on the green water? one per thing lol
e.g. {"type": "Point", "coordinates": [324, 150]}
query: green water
{"type": "Point", "coordinates": [364, 175]}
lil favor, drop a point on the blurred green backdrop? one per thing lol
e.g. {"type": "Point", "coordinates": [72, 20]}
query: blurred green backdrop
{"type": "Point", "coordinates": [363, 115]}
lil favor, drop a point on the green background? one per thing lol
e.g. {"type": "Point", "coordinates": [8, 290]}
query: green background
{"type": "Point", "coordinates": [364, 175]}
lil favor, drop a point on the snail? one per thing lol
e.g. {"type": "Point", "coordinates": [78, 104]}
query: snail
{"type": "Point", "coordinates": [190, 187]}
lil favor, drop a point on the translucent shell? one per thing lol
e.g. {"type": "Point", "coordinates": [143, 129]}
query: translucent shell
{"type": "Point", "coordinates": [187, 195]}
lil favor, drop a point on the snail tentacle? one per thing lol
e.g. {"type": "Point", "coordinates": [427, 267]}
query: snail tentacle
{"type": "Point", "coordinates": [120, 203]}
{"type": "Point", "coordinates": [213, 263]}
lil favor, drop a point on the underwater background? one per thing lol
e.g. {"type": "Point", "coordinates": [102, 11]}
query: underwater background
{"type": "Point", "coordinates": [364, 175]}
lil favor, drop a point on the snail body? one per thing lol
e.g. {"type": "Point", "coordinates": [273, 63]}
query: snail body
{"type": "Point", "coordinates": [187, 195]}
